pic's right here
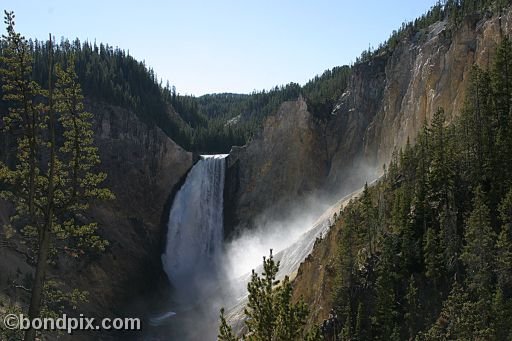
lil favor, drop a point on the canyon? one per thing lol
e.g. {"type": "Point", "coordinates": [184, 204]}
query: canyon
{"type": "Point", "coordinates": [295, 162]}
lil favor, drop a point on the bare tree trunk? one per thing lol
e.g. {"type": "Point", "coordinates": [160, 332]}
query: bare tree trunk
{"type": "Point", "coordinates": [38, 285]}
{"type": "Point", "coordinates": [44, 246]}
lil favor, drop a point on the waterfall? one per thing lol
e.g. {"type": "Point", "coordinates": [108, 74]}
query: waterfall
{"type": "Point", "coordinates": [195, 229]}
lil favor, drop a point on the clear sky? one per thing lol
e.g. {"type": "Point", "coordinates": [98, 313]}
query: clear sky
{"type": "Point", "coordinates": [224, 45]}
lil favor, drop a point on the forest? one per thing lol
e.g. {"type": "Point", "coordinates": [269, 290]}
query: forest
{"type": "Point", "coordinates": [215, 122]}
{"type": "Point", "coordinates": [206, 124]}
{"type": "Point", "coordinates": [426, 254]}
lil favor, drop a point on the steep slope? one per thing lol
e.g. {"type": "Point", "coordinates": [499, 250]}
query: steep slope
{"type": "Point", "coordinates": [269, 173]}
{"type": "Point", "coordinates": [143, 165]}
{"type": "Point", "coordinates": [420, 76]}
{"type": "Point", "coordinates": [429, 71]}
{"type": "Point", "coordinates": [387, 101]}
{"type": "Point", "coordinates": [390, 97]}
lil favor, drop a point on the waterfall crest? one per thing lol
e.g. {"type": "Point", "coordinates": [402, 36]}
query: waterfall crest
{"type": "Point", "coordinates": [195, 228]}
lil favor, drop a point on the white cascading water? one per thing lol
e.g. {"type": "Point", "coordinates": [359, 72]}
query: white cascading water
{"type": "Point", "coordinates": [194, 253]}
{"type": "Point", "coordinates": [195, 228]}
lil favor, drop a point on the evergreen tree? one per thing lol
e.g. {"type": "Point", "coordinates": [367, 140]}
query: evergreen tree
{"type": "Point", "coordinates": [479, 253]}
{"type": "Point", "coordinates": [502, 82]}
{"type": "Point", "coordinates": [412, 317]}
{"type": "Point", "coordinates": [451, 192]}
{"type": "Point", "coordinates": [25, 119]}
{"type": "Point", "coordinates": [501, 316]}
{"type": "Point", "coordinates": [78, 161]}
{"type": "Point", "coordinates": [346, 281]}
{"type": "Point", "coordinates": [477, 123]}
{"type": "Point", "coordinates": [504, 245]}
{"type": "Point", "coordinates": [432, 254]}
{"type": "Point", "coordinates": [225, 331]}
{"type": "Point", "coordinates": [262, 319]}
{"type": "Point", "coordinates": [502, 90]}
{"type": "Point", "coordinates": [270, 312]}
{"type": "Point", "coordinates": [291, 317]}
{"type": "Point", "coordinates": [359, 332]}
{"type": "Point", "coordinates": [49, 185]}
{"type": "Point", "coordinates": [452, 323]}
{"type": "Point", "coordinates": [368, 215]}
{"type": "Point", "coordinates": [385, 315]}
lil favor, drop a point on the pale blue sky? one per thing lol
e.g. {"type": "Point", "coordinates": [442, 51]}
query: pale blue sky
{"type": "Point", "coordinates": [224, 45]}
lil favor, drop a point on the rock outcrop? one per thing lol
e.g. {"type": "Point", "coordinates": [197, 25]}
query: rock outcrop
{"type": "Point", "coordinates": [390, 97]}
{"type": "Point", "coordinates": [387, 101]}
{"type": "Point", "coordinates": [143, 164]}
{"type": "Point", "coordinates": [429, 71]}
{"type": "Point", "coordinates": [282, 164]}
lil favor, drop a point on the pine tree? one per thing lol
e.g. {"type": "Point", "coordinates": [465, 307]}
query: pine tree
{"type": "Point", "coordinates": [432, 255]}
{"type": "Point", "coordinates": [262, 319]}
{"type": "Point", "coordinates": [225, 330]}
{"type": "Point", "coordinates": [385, 313]}
{"type": "Point", "coordinates": [24, 121]}
{"type": "Point", "coordinates": [49, 184]}
{"type": "Point", "coordinates": [368, 215]}
{"type": "Point", "coordinates": [383, 322]}
{"type": "Point", "coordinates": [45, 230]}
{"type": "Point", "coordinates": [346, 331]}
{"type": "Point", "coordinates": [346, 281]}
{"type": "Point", "coordinates": [359, 331]}
{"type": "Point", "coordinates": [501, 316]}
{"type": "Point", "coordinates": [413, 307]}
{"type": "Point", "coordinates": [270, 312]}
{"type": "Point", "coordinates": [291, 317]}
{"type": "Point", "coordinates": [501, 75]}
{"type": "Point", "coordinates": [479, 253]}
{"type": "Point", "coordinates": [477, 124]}
{"type": "Point", "coordinates": [78, 161]}
{"type": "Point", "coordinates": [504, 245]}
{"type": "Point", "coordinates": [453, 323]}
{"type": "Point", "coordinates": [502, 81]}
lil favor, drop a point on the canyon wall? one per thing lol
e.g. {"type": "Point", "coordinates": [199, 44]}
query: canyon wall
{"type": "Point", "coordinates": [387, 101]}
{"type": "Point", "coordinates": [143, 164]}
{"type": "Point", "coordinates": [425, 73]}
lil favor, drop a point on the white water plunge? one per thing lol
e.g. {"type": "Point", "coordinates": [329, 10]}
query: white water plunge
{"type": "Point", "coordinates": [195, 229]}
{"type": "Point", "coordinates": [205, 279]}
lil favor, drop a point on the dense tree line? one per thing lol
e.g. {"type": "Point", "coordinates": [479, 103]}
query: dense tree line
{"type": "Point", "coordinates": [234, 118]}
{"type": "Point", "coordinates": [451, 11]}
{"type": "Point", "coordinates": [206, 124]}
{"type": "Point", "coordinates": [231, 119]}
{"type": "Point", "coordinates": [214, 123]}
{"type": "Point", "coordinates": [427, 252]}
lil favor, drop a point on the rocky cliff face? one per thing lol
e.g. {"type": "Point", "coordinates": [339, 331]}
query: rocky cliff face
{"type": "Point", "coordinates": [269, 174]}
{"type": "Point", "coordinates": [390, 97]}
{"type": "Point", "coordinates": [430, 71]}
{"type": "Point", "coordinates": [424, 73]}
{"type": "Point", "coordinates": [143, 165]}
{"type": "Point", "coordinates": [387, 101]}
